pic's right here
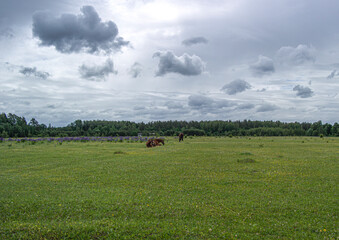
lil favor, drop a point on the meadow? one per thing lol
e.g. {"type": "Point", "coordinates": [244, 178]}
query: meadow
{"type": "Point", "coordinates": [202, 188]}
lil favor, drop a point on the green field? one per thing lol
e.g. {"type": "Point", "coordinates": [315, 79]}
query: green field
{"type": "Point", "coordinates": [202, 188]}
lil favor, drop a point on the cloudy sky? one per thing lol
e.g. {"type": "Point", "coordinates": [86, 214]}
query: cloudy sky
{"type": "Point", "coordinates": [149, 60]}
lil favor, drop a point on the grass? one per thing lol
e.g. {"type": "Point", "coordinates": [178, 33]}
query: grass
{"type": "Point", "coordinates": [202, 188]}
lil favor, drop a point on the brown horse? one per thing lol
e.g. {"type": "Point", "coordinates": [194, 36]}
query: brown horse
{"type": "Point", "coordinates": [159, 140]}
{"type": "Point", "coordinates": [150, 143]}
{"type": "Point", "coordinates": [181, 137]}
{"type": "Point", "coordinates": [155, 142]}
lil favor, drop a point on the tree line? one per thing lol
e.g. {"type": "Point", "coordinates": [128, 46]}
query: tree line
{"type": "Point", "coordinates": [12, 125]}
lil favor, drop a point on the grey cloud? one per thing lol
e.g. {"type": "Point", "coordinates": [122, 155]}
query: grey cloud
{"type": "Point", "coordinates": [199, 101]}
{"type": "Point", "coordinates": [208, 105]}
{"type": "Point", "coordinates": [27, 71]}
{"type": "Point", "coordinates": [236, 86]}
{"type": "Point", "coordinates": [246, 106]}
{"type": "Point", "coordinates": [97, 73]}
{"type": "Point", "coordinates": [263, 66]}
{"type": "Point", "coordinates": [296, 56]}
{"type": "Point", "coordinates": [303, 92]}
{"type": "Point", "coordinates": [74, 33]}
{"type": "Point", "coordinates": [51, 106]}
{"type": "Point", "coordinates": [223, 104]}
{"type": "Point", "coordinates": [185, 65]}
{"type": "Point", "coordinates": [333, 74]}
{"type": "Point", "coordinates": [267, 108]}
{"type": "Point", "coordinates": [137, 108]}
{"type": "Point", "coordinates": [135, 70]}
{"type": "Point", "coordinates": [194, 40]}
{"type": "Point", "coordinates": [158, 112]}
{"type": "Point", "coordinates": [173, 105]}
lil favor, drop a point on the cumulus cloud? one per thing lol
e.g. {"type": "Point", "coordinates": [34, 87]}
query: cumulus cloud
{"type": "Point", "coordinates": [296, 56]}
{"type": "Point", "coordinates": [135, 70]}
{"type": "Point", "coordinates": [28, 71]}
{"type": "Point", "coordinates": [98, 72]}
{"type": "Point", "coordinates": [185, 65]}
{"type": "Point", "coordinates": [194, 40]}
{"type": "Point", "coordinates": [263, 66]}
{"type": "Point", "coordinates": [74, 33]}
{"type": "Point", "coordinates": [235, 87]}
{"type": "Point", "coordinates": [303, 92]}
{"type": "Point", "coordinates": [267, 108]}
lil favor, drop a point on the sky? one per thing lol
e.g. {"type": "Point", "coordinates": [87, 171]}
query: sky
{"type": "Point", "coordinates": [158, 60]}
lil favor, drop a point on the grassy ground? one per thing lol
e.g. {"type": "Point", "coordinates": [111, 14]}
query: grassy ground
{"type": "Point", "coordinates": [203, 188]}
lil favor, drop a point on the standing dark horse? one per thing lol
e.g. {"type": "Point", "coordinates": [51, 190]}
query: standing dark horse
{"type": "Point", "coordinates": [181, 137]}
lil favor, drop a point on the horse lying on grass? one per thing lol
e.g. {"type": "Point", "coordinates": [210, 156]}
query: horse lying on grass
{"type": "Point", "coordinates": [155, 142]}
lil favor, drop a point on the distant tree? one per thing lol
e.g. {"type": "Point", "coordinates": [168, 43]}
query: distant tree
{"type": "Point", "coordinates": [34, 123]}
{"type": "Point", "coordinates": [335, 130]}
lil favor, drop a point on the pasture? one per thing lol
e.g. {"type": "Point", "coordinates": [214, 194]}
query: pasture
{"type": "Point", "coordinates": [202, 188]}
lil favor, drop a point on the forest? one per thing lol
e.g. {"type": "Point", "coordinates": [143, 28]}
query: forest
{"type": "Point", "coordinates": [12, 125]}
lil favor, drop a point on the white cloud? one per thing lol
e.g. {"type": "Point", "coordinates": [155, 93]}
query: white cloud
{"type": "Point", "coordinates": [28, 71]}
{"type": "Point", "coordinates": [97, 72]}
{"type": "Point", "coordinates": [185, 65]}
{"type": "Point", "coordinates": [236, 86]}
{"type": "Point", "coordinates": [303, 92]}
{"type": "Point", "coordinates": [296, 56]}
{"type": "Point", "coordinates": [135, 70]}
{"type": "Point", "coordinates": [263, 66]}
